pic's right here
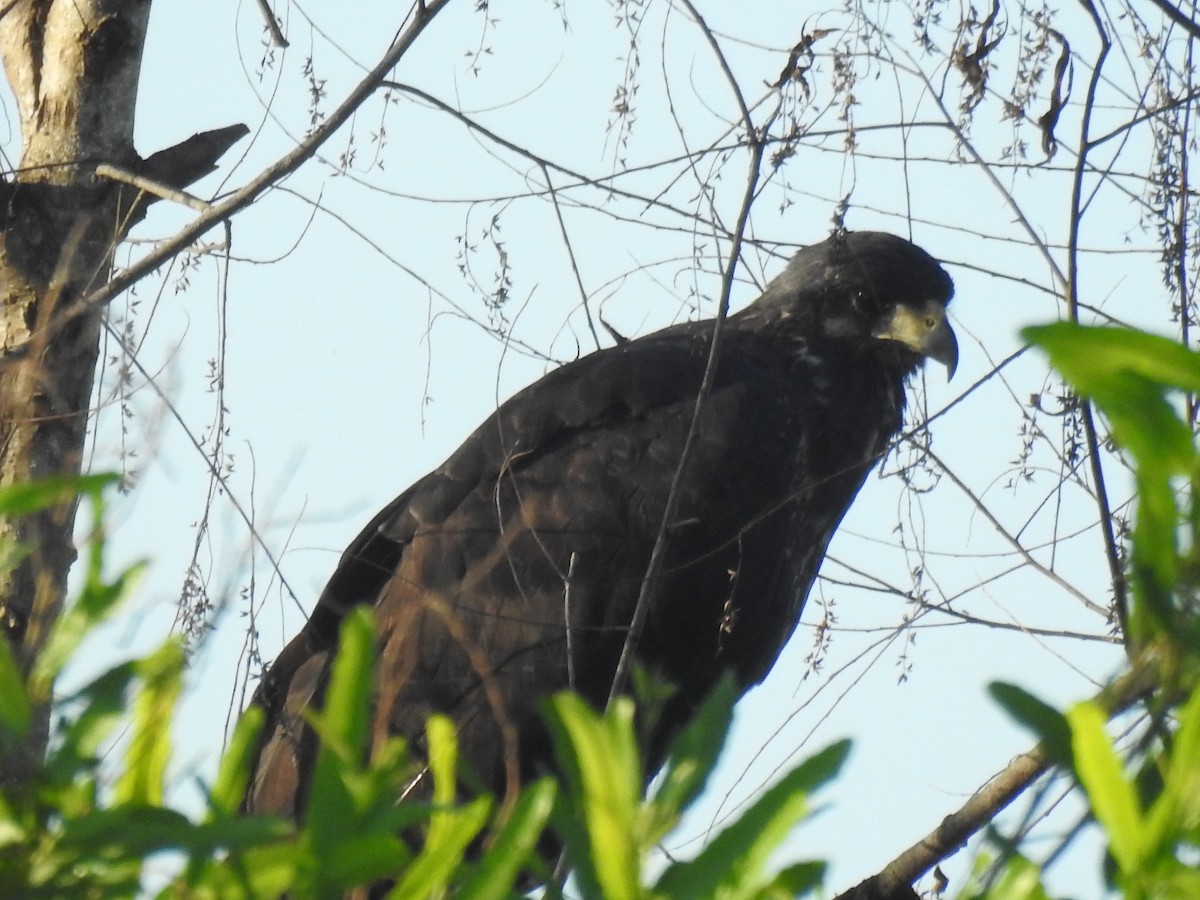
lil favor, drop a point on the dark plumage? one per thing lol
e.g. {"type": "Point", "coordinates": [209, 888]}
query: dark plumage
{"type": "Point", "coordinates": [468, 569]}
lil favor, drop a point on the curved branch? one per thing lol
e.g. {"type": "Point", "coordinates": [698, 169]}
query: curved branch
{"type": "Point", "coordinates": [423, 15]}
{"type": "Point", "coordinates": [658, 554]}
{"type": "Point", "coordinates": [984, 805]}
{"type": "Point", "coordinates": [1111, 552]}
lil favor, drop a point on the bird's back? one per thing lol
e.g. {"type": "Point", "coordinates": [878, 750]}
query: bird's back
{"type": "Point", "coordinates": [537, 532]}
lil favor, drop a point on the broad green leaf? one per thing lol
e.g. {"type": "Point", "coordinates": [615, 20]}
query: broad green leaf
{"type": "Point", "coordinates": [1110, 793]}
{"type": "Point", "coordinates": [234, 833]}
{"type": "Point", "coordinates": [97, 602]}
{"type": "Point", "coordinates": [1177, 808]}
{"type": "Point", "coordinates": [31, 496]}
{"type": "Point", "coordinates": [372, 791]}
{"type": "Point", "coordinates": [442, 740]}
{"type": "Point", "coordinates": [219, 851]}
{"type": "Point", "coordinates": [599, 756]}
{"type": "Point", "coordinates": [1093, 350]}
{"type": "Point", "coordinates": [267, 871]}
{"type": "Point", "coordinates": [692, 758]}
{"type": "Point", "coordinates": [494, 876]}
{"type": "Point", "coordinates": [130, 830]}
{"type": "Point", "coordinates": [13, 829]}
{"type": "Point", "coordinates": [362, 859]}
{"type": "Point", "coordinates": [150, 744]}
{"type": "Point", "coordinates": [104, 707]}
{"type": "Point", "coordinates": [342, 727]}
{"type": "Point", "coordinates": [1043, 720]}
{"type": "Point", "coordinates": [732, 865]}
{"type": "Point", "coordinates": [433, 868]}
{"type": "Point", "coordinates": [229, 787]}
{"type": "Point", "coordinates": [796, 880]}
{"type": "Point", "coordinates": [98, 597]}
{"type": "Point", "coordinates": [1128, 374]}
{"type": "Point", "coordinates": [1020, 879]}
{"type": "Point", "coordinates": [14, 701]}
{"type": "Point", "coordinates": [1155, 553]}
{"type": "Point", "coordinates": [348, 696]}
{"type": "Point", "coordinates": [447, 837]}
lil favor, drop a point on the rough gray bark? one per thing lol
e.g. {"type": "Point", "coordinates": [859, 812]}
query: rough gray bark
{"type": "Point", "coordinates": [73, 66]}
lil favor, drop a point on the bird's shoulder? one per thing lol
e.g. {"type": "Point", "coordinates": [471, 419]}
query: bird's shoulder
{"type": "Point", "coordinates": [630, 389]}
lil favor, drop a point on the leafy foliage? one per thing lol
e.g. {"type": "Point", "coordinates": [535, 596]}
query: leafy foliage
{"type": "Point", "coordinates": [78, 831]}
{"type": "Point", "coordinates": [1152, 826]}
{"type": "Point", "coordinates": [81, 832]}
{"type": "Point", "coordinates": [1134, 378]}
{"type": "Point", "coordinates": [610, 831]}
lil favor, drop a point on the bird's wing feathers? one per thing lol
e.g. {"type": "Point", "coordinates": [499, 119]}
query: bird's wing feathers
{"type": "Point", "coordinates": [536, 534]}
{"type": "Point", "coordinates": [468, 569]}
{"type": "Point", "coordinates": [513, 569]}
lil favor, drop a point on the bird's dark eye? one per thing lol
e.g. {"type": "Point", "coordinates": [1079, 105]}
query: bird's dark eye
{"type": "Point", "coordinates": [930, 322]}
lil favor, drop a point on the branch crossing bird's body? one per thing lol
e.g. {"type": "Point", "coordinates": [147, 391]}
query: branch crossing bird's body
{"type": "Point", "coordinates": [536, 534]}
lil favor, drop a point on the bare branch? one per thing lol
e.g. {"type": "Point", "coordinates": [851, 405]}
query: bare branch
{"type": "Point", "coordinates": [267, 178]}
{"type": "Point", "coordinates": [156, 188]}
{"type": "Point", "coordinates": [658, 554]}
{"type": "Point", "coordinates": [272, 24]}
{"type": "Point", "coordinates": [1111, 552]}
{"type": "Point", "coordinates": [989, 800]}
{"type": "Point", "coordinates": [1173, 12]}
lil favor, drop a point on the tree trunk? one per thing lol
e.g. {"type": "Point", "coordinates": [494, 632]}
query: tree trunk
{"type": "Point", "coordinates": [73, 66]}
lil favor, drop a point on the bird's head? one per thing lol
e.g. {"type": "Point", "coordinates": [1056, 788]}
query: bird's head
{"type": "Point", "coordinates": [869, 287]}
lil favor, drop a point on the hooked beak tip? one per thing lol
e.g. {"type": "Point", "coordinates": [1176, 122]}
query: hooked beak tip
{"type": "Point", "coordinates": [943, 347]}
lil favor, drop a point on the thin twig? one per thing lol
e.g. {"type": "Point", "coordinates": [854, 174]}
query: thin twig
{"type": "Point", "coordinates": [269, 177]}
{"type": "Point", "coordinates": [1017, 545]}
{"type": "Point", "coordinates": [213, 469]}
{"type": "Point", "coordinates": [157, 188]}
{"type": "Point", "coordinates": [1172, 12]}
{"type": "Point", "coordinates": [562, 227]}
{"type": "Point", "coordinates": [658, 553]}
{"type": "Point", "coordinates": [272, 24]}
{"type": "Point", "coordinates": [1111, 552]}
{"type": "Point", "coordinates": [567, 585]}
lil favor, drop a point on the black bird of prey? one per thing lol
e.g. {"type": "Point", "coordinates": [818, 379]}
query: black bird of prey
{"type": "Point", "coordinates": [534, 536]}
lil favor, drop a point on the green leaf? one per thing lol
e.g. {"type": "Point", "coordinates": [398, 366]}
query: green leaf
{"type": "Point", "coordinates": [450, 830]}
{"type": "Point", "coordinates": [15, 711]}
{"type": "Point", "coordinates": [692, 758]}
{"type": "Point", "coordinates": [1089, 352]}
{"type": "Point", "coordinates": [800, 878]}
{"type": "Point", "coordinates": [29, 497]}
{"type": "Point", "coordinates": [1019, 879]}
{"type": "Point", "coordinates": [229, 787]}
{"type": "Point", "coordinates": [229, 841]}
{"type": "Point", "coordinates": [1043, 720]}
{"type": "Point", "coordinates": [1177, 807]}
{"type": "Point", "coordinates": [13, 827]}
{"type": "Point", "coordinates": [1110, 793]}
{"type": "Point", "coordinates": [431, 871]}
{"type": "Point", "coordinates": [131, 831]}
{"type": "Point", "coordinates": [103, 711]}
{"type": "Point", "coordinates": [269, 870]}
{"type": "Point", "coordinates": [96, 603]}
{"type": "Point", "coordinates": [342, 727]}
{"type": "Point", "coordinates": [442, 740]}
{"type": "Point", "coordinates": [732, 865]}
{"type": "Point", "coordinates": [150, 744]}
{"type": "Point", "coordinates": [1128, 375]}
{"type": "Point", "coordinates": [510, 851]}
{"type": "Point", "coordinates": [598, 755]}
{"type": "Point", "coordinates": [360, 860]}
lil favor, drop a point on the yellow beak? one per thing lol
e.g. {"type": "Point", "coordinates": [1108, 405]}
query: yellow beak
{"type": "Point", "coordinates": [925, 330]}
